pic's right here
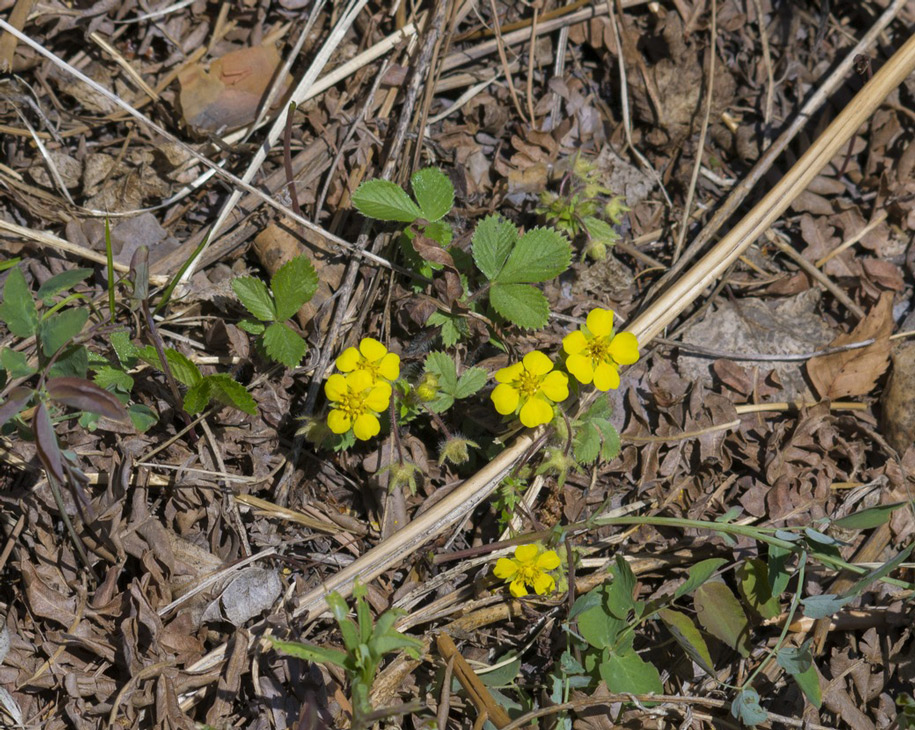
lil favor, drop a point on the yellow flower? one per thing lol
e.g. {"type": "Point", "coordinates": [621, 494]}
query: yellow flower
{"type": "Point", "coordinates": [372, 357]}
{"type": "Point", "coordinates": [357, 400]}
{"type": "Point", "coordinates": [530, 384]}
{"type": "Point", "coordinates": [528, 568]}
{"type": "Point", "coordinates": [595, 353]}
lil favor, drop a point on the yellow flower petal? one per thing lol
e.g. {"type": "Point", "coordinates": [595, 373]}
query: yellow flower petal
{"type": "Point", "coordinates": [544, 584]}
{"type": "Point", "coordinates": [535, 412]}
{"type": "Point", "coordinates": [580, 366]}
{"type": "Point", "coordinates": [574, 342]}
{"type": "Point", "coordinates": [606, 377]}
{"type": "Point", "coordinates": [359, 381]}
{"type": "Point", "coordinates": [505, 399]}
{"type": "Point", "coordinates": [338, 421]}
{"type": "Point", "coordinates": [517, 588]}
{"type": "Point", "coordinates": [349, 360]}
{"type": "Point", "coordinates": [366, 426]}
{"type": "Point", "coordinates": [537, 363]}
{"type": "Point", "coordinates": [335, 387]}
{"type": "Point", "coordinates": [390, 366]}
{"type": "Point", "coordinates": [624, 348]}
{"type": "Point", "coordinates": [379, 397]}
{"type": "Point", "coordinates": [548, 560]}
{"type": "Point", "coordinates": [372, 349]}
{"type": "Point", "coordinates": [600, 322]}
{"type": "Point", "coordinates": [527, 553]}
{"type": "Point", "coordinates": [555, 386]}
{"type": "Point", "coordinates": [505, 569]}
{"type": "Point", "coordinates": [509, 374]}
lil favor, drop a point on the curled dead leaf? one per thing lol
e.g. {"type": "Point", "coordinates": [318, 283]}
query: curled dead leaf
{"type": "Point", "coordinates": [85, 395]}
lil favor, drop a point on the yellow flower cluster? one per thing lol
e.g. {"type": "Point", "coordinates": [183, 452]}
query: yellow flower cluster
{"type": "Point", "coordinates": [529, 567]}
{"type": "Point", "coordinates": [363, 391]}
{"type": "Point", "coordinates": [593, 355]}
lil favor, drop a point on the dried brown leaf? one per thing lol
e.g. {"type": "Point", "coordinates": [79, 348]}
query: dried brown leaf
{"type": "Point", "coordinates": [85, 395]}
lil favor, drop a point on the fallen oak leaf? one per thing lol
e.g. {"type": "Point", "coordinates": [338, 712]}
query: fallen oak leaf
{"type": "Point", "coordinates": [855, 372]}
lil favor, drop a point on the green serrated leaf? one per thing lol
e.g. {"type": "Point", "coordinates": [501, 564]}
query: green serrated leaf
{"type": "Point", "coordinates": [721, 614]}
{"type": "Point", "coordinates": [600, 231]}
{"type": "Point", "coordinates": [470, 382]}
{"type": "Point", "coordinates": [868, 518]}
{"type": "Point", "coordinates": [15, 363]}
{"type": "Point", "coordinates": [142, 417]}
{"type": "Point", "coordinates": [433, 191]}
{"type": "Point", "coordinates": [492, 242]}
{"type": "Point", "coordinates": [284, 345]}
{"type": "Point", "coordinates": [231, 393]}
{"type": "Point", "coordinates": [252, 326]}
{"type": "Point", "coordinates": [294, 284]}
{"type": "Point", "coordinates": [442, 366]}
{"type": "Point", "coordinates": [18, 308]}
{"type": "Point", "coordinates": [753, 583]}
{"type": "Point", "coordinates": [747, 709]}
{"type": "Point", "coordinates": [125, 350]}
{"type": "Point", "coordinates": [61, 282]}
{"type": "Point", "coordinates": [197, 397]}
{"type": "Point", "coordinates": [539, 255]}
{"type": "Point", "coordinates": [586, 443]}
{"type": "Point", "coordinates": [610, 437]}
{"type": "Point", "coordinates": [453, 328]}
{"type": "Point", "coordinates": [253, 295]}
{"type": "Point", "coordinates": [697, 575]}
{"type": "Point", "coordinates": [58, 329]}
{"type": "Point", "coordinates": [689, 638]}
{"type": "Point", "coordinates": [630, 673]}
{"type": "Point", "coordinates": [182, 368]}
{"type": "Point", "coordinates": [385, 201]}
{"type": "Point", "coordinates": [521, 304]}
{"type": "Point", "coordinates": [442, 233]}
{"type": "Point", "coordinates": [108, 378]}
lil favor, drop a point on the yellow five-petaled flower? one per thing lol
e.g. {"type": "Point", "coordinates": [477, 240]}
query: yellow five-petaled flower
{"type": "Point", "coordinates": [595, 352]}
{"type": "Point", "coordinates": [528, 568]}
{"type": "Point", "coordinates": [356, 401]}
{"type": "Point", "coordinates": [372, 357]}
{"type": "Point", "coordinates": [533, 385]}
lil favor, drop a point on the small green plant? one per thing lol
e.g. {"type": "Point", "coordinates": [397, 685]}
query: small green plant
{"type": "Point", "coordinates": [365, 643]}
{"type": "Point", "coordinates": [290, 287]}
{"type": "Point", "coordinates": [584, 208]}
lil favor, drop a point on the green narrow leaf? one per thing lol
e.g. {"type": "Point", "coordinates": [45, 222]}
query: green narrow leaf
{"type": "Point", "coordinates": [284, 345]}
{"type": "Point", "coordinates": [868, 518]}
{"type": "Point", "coordinates": [385, 201]}
{"type": "Point", "coordinates": [109, 258]}
{"type": "Point", "coordinates": [753, 583]}
{"type": "Point", "coordinates": [689, 638]}
{"type": "Point", "coordinates": [721, 614]}
{"type": "Point", "coordinates": [779, 576]}
{"type": "Point", "coordinates": [253, 295]}
{"type": "Point", "coordinates": [293, 284]}
{"type": "Point", "coordinates": [630, 673]}
{"type": "Point", "coordinates": [433, 191]}
{"type": "Point", "coordinates": [231, 393]}
{"type": "Point", "coordinates": [520, 304]}
{"type": "Point", "coordinates": [61, 282]}
{"type": "Point", "coordinates": [18, 308]}
{"type": "Point", "coordinates": [492, 242]}
{"type": "Point", "coordinates": [619, 593]}
{"type": "Point", "coordinates": [809, 682]}
{"type": "Point", "coordinates": [9, 263]}
{"type": "Point", "coordinates": [697, 575]}
{"type": "Point", "coordinates": [747, 709]}
{"type": "Point", "coordinates": [59, 329]}
{"type": "Point", "coordinates": [167, 294]}
{"type": "Point", "coordinates": [888, 567]}
{"type": "Point", "coordinates": [540, 254]}
{"type": "Point", "coordinates": [310, 652]}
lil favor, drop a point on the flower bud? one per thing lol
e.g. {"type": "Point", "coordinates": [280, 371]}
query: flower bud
{"type": "Point", "coordinates": [456, 450]}
{"type": "Point", "coordinates": [596, 250]}
{"type": "Point", "coordinates": [428, 388]}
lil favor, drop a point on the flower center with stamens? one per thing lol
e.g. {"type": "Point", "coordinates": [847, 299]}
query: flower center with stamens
{"type": "Point", "coordinates": [528, 383]}
{"type": "Point", "coordinates": [598, 349]}
{"type": "Point", "coordinates": [353, 405]}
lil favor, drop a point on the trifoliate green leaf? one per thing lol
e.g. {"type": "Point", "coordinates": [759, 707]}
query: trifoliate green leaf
{"type": "Point", "coordinates": [385, 201]}
{"type": "Point", "coordinates": [253, 294]}
{"type": "Point", "coordinates": [539, 255]}
{"type": "Point", "coordinates": [294, 284]}
{"type": "Point", "coordinates": [60, 328]}
{"type": "Point", "coordinates": [108, 378]}
{"type": "Point", "coordinates": [492, 242]}
{"type": "Point", "coordinates": [453, 327]}
{"type": "Point", "coordinates": [520, 304]}
{"type": "Point", "coordinates": [284, 345]}
{"type": "Point", "coordinates": [433, 191]}
{"type": "Point", "coordinates": [230, 393]}
{"type": "Point", "coordinates": [18, 308]}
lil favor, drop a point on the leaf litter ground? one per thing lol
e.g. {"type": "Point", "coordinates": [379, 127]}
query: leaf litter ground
{"type": "Point", "coordinates": [201, 539]}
